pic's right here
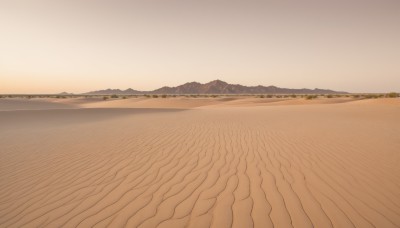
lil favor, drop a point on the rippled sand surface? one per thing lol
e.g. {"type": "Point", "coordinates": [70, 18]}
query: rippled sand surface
{"type": "Point", "coordinates": [223, 163]}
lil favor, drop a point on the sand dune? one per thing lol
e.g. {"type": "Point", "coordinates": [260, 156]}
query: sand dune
{"type": "Point", "coordinates": [7, 104]}
{"type": "Point", "coordinates": [226, 164]}
{"type": "Point", "coordinates": [175, 103]}
{"type": "Point", "coordinates": [155, 103]}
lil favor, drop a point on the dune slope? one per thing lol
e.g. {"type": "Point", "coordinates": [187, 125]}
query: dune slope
{"type": "Point", "coordinates": [271, 166]}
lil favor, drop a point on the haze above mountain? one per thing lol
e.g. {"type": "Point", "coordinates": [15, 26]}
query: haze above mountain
{"type": "Point", "coordinates": [215, 87]}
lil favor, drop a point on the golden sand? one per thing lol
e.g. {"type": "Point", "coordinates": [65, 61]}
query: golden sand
{"type": "Point", "coordinates": [209, 162]}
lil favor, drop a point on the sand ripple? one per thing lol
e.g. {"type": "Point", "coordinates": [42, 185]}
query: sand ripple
{"type": "Point", "coordinates": [264, 167]}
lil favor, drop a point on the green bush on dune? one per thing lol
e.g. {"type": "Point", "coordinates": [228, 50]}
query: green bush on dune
{"type": "Point", "coordinates": [371, 96]}
{"type": "Point", "coordinates": [310, 97]}
{"type": "Point", "coordinates": [392, 95]}
{"type": "Point", "coordinates": [114, 96]}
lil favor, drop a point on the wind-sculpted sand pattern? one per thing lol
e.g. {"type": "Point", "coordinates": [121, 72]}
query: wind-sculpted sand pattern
{"type": "Point", "coordinates": [314, 166]}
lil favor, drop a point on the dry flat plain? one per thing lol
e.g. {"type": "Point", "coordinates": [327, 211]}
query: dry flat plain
{"type": "Point", "coordinates": [199, 162]}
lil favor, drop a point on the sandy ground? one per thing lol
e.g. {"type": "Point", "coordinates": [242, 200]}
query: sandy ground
{"type": "Point", "coordinates": [185, 162]}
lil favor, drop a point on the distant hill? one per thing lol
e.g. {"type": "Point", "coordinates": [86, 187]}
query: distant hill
{"type": "Point", "coordinates": [65, 93]}
{"type": "Point", "coordinates": [114, 91]}
{"type": "Point", "coordinates": [216, 87]}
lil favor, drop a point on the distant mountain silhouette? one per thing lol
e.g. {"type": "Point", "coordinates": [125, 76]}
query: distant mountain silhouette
{"type": "Point", "coordinates": [65, 93]}
{"type": "Point", "coordinates": [114, 91]}
{"type": "Point", "coordinates": [216, 87]}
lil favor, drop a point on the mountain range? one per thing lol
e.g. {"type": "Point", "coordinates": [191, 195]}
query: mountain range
{"type": "Point", "coordinates": [215, 87]}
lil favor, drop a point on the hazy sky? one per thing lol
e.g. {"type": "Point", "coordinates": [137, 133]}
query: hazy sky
{"type": "Point", "coordinates": [51, 46]}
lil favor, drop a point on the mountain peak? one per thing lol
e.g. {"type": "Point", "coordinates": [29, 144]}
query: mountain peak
{"type": "Point", "coordinates": [217, 82]}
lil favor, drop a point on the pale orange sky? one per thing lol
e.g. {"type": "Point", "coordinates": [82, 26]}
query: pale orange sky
{"type": "Point", "coordinates": [50, 46]}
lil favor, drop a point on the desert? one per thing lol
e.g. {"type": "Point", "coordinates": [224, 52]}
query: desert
{"type": "Point", "coordinates": [177, 113]}
{"type": "Point", "coordinates": [199, 162]}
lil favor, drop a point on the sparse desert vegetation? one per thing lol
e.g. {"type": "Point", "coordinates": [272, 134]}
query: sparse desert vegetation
{"type": "Point", "coordinates": [311, 97]}
{"type": "Point", "coordinates": [371, 96]}
{"type": "Point", "coordinates": [291, 96]}
{"type": "Point", "coordinates": [392, 95]}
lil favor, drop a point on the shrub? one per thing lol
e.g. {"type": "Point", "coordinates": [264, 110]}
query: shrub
{"type": "Point", "coordinates": [123, 97]}
{"type": "Point", "coordinates": [114, 96]}
{"type": "Point", "coordinates": [278, 96]}
{"type": "Point", "coordinates": [214, 96]}
{"type": "Point", "coordinates": [155, 96]}
{"type": "Point", "coordinates": [262, 96]}
{"type": "Point", "coordinates": [310, 97]}
{"type": "Point", "coordinates": [371, 96]}
{"type": "Point", "coordinates": [269, 96]}
{"type": "Point", "coordinates": [293, 96]}
{"type": "Point", "coordinates": [329, 96]}
{"type": "Point", "coordinates": [392, 95]}
{"type": "Point", "coordinates": [105, 98]}
{"type": "Point", "coordinates": [164, 96]}
{"type": "Point", "coordinates": [146, 95]}
{"type": "Point", "coordinates": [356, 96]}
